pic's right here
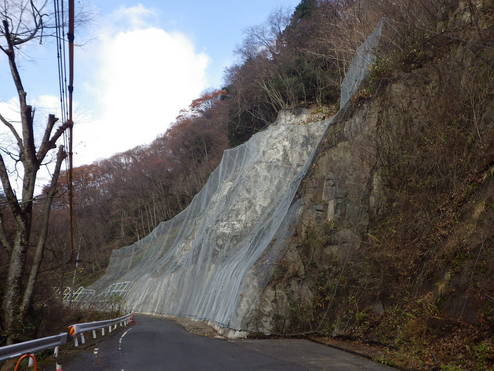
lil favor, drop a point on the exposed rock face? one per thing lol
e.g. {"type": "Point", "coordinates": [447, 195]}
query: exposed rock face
{"type": "Point", "coordinates": [338, 195]}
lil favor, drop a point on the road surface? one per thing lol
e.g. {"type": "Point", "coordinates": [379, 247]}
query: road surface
{"type": "Point", "coordinates": [159, 344]}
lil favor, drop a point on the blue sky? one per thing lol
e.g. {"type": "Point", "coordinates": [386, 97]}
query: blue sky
{"type": "Point", "coordinates": [140, 62]}
{"type": "Point", "coordinates": [216, 27]}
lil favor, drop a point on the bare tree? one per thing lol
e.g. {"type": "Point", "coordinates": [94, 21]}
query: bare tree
{"type": "Point", "coordinates": [23, 21]}
{"type": "Point", "coordinates": [266, 38]}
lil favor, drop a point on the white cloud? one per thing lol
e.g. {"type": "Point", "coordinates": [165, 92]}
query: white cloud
{"type": "Point", "coordinates": [143, 76]}
{"type": "Point", "coordinates": [135, 16]}
{"type": "Point", "coordinates": [10, 111]}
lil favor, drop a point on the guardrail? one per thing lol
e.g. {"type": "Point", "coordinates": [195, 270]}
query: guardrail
{"type": "Point", "coordinates": [32, 346]}
{"type": "Point", "coordinates": [27, 349]}
{"type": "Point", "coordinates": [81, 328]}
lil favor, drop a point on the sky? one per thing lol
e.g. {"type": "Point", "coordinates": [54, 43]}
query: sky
{"type": "Point", "coordinates": [137, 64]}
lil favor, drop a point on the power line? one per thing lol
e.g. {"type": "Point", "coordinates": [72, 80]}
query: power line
{"type": "Point", "coordinates": [59, 32]}
{"type": "Point", "coordinates": [61, 64]}
{"type": "Point", "coordinates": [66, 91]}
{"type": "Point", "coordinates": [64, 59]}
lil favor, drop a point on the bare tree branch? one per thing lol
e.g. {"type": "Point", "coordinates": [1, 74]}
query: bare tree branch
{"type": "Point", "coordinates": [7, 188]}
{"type": "Point", "coordinates": [52, 143]}
{"type": "Point", "coordinates": [38, 24]}
{"type": "Point", "coordinates": [14, 132]}
{"type": "Point", "coordinates": [13, 67]}
{"type": "Point", "coordinates": [45, 142]}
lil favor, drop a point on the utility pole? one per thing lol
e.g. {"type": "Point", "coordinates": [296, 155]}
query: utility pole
{"type": "Point", "coordinates": [70, 37]}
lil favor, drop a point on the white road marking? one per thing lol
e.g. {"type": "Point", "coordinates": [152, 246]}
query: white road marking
{"type": "Point", "coordinates": [121, 338]}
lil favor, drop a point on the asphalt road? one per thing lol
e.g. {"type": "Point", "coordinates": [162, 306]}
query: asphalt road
{"type": "Point", "coordinates": [159, 344]}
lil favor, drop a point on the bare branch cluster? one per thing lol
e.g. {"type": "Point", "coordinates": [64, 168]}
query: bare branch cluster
{"type": "Point", "coordinates": [22, 21]}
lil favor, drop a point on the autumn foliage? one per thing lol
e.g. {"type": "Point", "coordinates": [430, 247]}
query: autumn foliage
{"type": "Point", "coordinates": [121, 199]}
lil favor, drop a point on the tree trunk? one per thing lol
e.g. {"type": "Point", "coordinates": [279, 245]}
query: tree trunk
{"type": "Point", "coordinates": [40, 247]}
{"type": "Point", "coordinates": [13, 293]}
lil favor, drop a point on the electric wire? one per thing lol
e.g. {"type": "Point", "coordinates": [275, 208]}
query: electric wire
{"type": "Point", "coordinates": [65, 54]}
{"type": "Point", "coordinates": [61, 66]}
{"type": "Point", "coordinates": [64, 74]}
{"type": "Point", "coordinates": [64, 61]}
{"type": "Point", "coordinates": [62, 70]}
{"type": "Point", "coordinates": [60, 60]}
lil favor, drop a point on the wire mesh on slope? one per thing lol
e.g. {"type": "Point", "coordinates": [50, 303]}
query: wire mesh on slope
{"type": "Point", "coordinates": [194, 264]}
{"type": "Point", "coordinates": [212, 260]}
{"type": "Point", "coordinates": [359, 67]}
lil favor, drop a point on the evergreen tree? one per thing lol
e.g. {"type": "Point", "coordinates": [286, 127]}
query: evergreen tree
{"type": "Point", "coordinates": [304, 9]}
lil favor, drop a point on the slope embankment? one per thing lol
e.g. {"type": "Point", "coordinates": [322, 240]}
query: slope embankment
{"type": "Point", "coordinates": [394, 240]}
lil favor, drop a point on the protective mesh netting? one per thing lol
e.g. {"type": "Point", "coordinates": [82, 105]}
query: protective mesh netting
{"type": "Point", "coordinates": [213, 259]}
{"type": "Point", "coordinates": [359, 67]}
